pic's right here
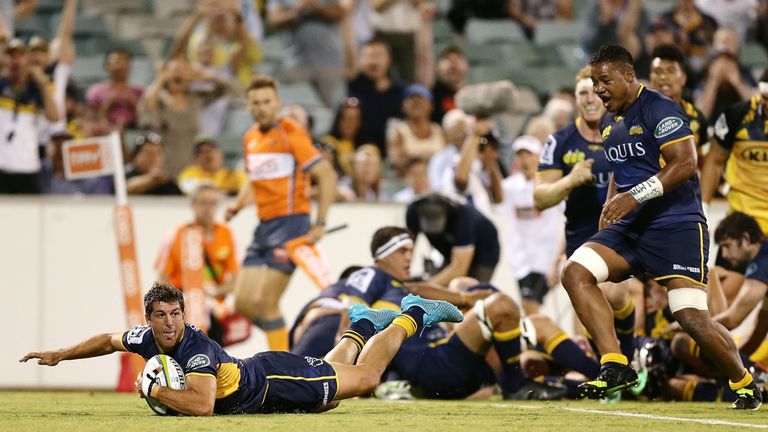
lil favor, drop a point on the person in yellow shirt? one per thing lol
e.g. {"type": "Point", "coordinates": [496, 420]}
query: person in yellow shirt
{"type": "Point", "coordinates": [209, 168]}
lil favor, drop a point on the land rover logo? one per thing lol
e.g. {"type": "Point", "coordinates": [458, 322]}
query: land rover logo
{"type": "Point", "coordinates": [667, 126]}
{"type": "Point", "coordinates": [198, 361]}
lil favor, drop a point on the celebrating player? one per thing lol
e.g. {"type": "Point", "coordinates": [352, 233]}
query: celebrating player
{"type": "Point", "coordinates": [267, 382]}
{"type": "Point", "coordinates": [278, 156]}
{"type": "Point", "coordinates": [653, 222]}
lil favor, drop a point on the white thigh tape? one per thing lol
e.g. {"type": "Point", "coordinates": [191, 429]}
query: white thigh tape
{"type": "Point", "coordinates": [682, 298]}
{"type": "Point", "coordinates": [592, 261]}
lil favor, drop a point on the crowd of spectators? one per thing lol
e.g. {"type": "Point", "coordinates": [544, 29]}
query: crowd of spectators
{"type": "Point", "coordinates": [396, 131]}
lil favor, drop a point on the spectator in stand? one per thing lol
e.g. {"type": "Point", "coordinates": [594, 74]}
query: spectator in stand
{"type": "Point", "coordinates": [456, 124]}
{"type": "Point", "coordinates": [524, 12]}
{"type": "Point", "coordinates": [738, 15]}
{"type": "Point", "coordinates": [173, 108]}
{"type": "Point", "coordinates": [52, 180]}
{"type": "Point", "coordinates": [615, 21]}
{"type": "Point", "coordinates": [365, 182]}
{"type": "Point", "coordinates": [209, 54]}
{"type": "Point", "coordinates": [209, 168]}
{"type": "Point", "coordinates": [695, 30]}
{"type": "Point", "coordinates": [726, 81]}
{"type": "Point", "coordinates": [475, 175]}
{"type": "Point", "coordinates": [147, 174]}
{"type": "Point", "coordinates": [316, 54]}
{"type": "Point", "coordinates": [417, 180]}
{"type": "Point", "coordinates": [659, 33]}
{"type": "Point", "coordinates": [346, 133]}
{"type": "Point", "coordinates": [416, 136]}
{"type": "Point", "coordinates": [225, 34]}
{"type": "Point", "coordinates": [397, 22]}
{"type": "Point", "coordinates": [451, 76]}
{"type": "Point", "coordinates": [116, 98]}
{"type": "Point", "coordinates": [25, 92]}
{"type": "Point", "coordinates": [380, 97]}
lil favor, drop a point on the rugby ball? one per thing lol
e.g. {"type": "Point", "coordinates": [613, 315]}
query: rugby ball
{"type": "Point", "coordinates": [164, 371]}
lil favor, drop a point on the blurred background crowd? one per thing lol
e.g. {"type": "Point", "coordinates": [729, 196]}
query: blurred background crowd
{"type": "Point", "coordinates": [373, 81]}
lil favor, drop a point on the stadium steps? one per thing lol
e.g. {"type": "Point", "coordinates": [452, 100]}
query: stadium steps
{"type": "Point", "coordinates": [754, 55]}
{"type": "Point", "coordinates": [483, 31]}
{"type": "Point", "coordinates": [32, 26]}
{"type": "Point", "coordinates": [300, 94]}
{"type": "Point", "coordinates": [172, 8]}
{"type": "Point", "coordinates": [112, 6]}
{"type": "Point", "coordinates": [557, 32]}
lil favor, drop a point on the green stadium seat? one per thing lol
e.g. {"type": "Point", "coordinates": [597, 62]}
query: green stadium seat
{"type": "Point", "coordinates": [238, 121]}
{"type": "Point", "coordinates": [554, 32]}
{"type": "Point", "coordinates": [273, 48]}
{"type": "Point", "coordinates": [34, 25]}
{"type": "Point", "coordinates": [441, 31]}
{"type": "Point", "coordinates": [301, 94]}
{"type": "Point", "coordinates": [754, 55]}
{"type": "Point", "coordinates": [88, 69]}
{"type": "Point", "coordinates": [486, 31]}
{"type": "Point", "coordinates": [142, 71]}
{"type": "Point", "coordinates": [85, 26]}
{"type": "Point", "coordinates": [322, 119]}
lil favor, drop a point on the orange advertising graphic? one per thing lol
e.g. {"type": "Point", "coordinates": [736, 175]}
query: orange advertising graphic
{"type": "Point", "coordinates": [87, 158]}
{"type": "Point", "coordinates": [306, 257]}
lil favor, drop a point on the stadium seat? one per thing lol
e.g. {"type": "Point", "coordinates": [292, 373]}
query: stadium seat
{"type": "Point", "coordinates": [34, 25]}
{"type": "Point", "coordinates": [754, 55]}
{"type": "Point", "coordinates": [142, 71]}
{"type": "Point", "coordinates": [85, 26]}
{"type": "Point", "coordinates": [301, 94]}
{"type": "Point", "coordinates": [111, 6]}
{"type": "Point", "coordinates": [554, 32]}
{"type": "Point", "coordinates": [168, 8]}
{"type": "Point", "coordinates": [658, 7]}
{"type": "Point", "coordinates": [441, 31]}
{"type": "Point", "coordinates": [238, 121]}
{"type": "Point", "coordinates": [88, 69]}
{"type": "Point", "coordinates": [485, 31]}
{"type": "Point", "coordinates": [322, 118]}
{"type": "Point", "coordinates": [273, 48]}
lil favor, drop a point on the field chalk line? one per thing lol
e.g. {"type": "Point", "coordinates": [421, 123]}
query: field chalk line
{"type": "Point", "coordinates": [639, 415]}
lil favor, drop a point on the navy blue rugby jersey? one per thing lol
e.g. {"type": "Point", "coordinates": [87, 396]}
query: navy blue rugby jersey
{"type": "Point", "coordinates": [564, 149]}
{"type": "Point", "coordinates": [238, 389]}
{"type": "Point", "coordinates": [633, 141]}
{"type": "Point", "coordinates": [758, 268]}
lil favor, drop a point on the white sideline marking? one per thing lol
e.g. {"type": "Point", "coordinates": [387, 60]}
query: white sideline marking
{"type": "Point", "coordinates": [645, 416]}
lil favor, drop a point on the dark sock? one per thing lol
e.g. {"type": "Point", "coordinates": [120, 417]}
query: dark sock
{"type": "Point", "coordinates": [624, 322]}
{"type": "Point", "coordinates": [417, 314]}
{"type": "Point", "coordinates": [364, 328]}
{"type": "Point", "coordinates": [567, 354]}
{"type": "Point", "coordinates": [507, 345]}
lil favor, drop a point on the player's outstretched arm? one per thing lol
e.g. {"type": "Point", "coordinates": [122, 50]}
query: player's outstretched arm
{"type": "Point", "coordinates": [99, 345]}
{"type": "Point", "coordinates": [197, 399]}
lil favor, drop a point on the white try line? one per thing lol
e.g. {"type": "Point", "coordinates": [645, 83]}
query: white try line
{"type": "Point", "coordinates": [638, 415]}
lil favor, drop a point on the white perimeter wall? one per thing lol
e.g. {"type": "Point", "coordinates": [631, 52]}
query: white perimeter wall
{"type": "Point", "coordinates": [60, 284]}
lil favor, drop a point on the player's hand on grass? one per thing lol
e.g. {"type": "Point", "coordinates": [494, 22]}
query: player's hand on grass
{"type": "Point", "coordinates": [137, 385]}
{"type": "Point", "coordinates": [617, 207]}
{"type": "Point", "coordinates": [47, 358]}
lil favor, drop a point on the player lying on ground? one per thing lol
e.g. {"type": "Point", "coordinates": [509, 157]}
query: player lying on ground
{"type": "Point", "coordinates": [267, 382]}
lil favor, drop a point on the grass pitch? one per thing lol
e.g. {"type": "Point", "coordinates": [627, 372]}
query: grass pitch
{"type": "Point", "coordinates": [105, 411]}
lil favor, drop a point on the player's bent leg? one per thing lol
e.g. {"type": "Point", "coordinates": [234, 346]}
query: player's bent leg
{"type": "Point", "coordinates": [685, 349]}
{"type": "Point", "coordinates": [689, 306]}
{"type": "Point", "coordinates": [257, 297]}
{"type": "Point", "coordinates": [623, 307]}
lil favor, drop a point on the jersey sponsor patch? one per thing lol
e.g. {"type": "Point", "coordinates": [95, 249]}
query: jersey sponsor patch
{"type": "Point", "coordinates": [314, 362]}
{"type": "Point", "coordinates": [361, 279]}
{"type": "Point", "coordinates": [136, 335]}
{"type": "Point", "coordinates": [267, 166]}
{"type": "Point", "coordinates": [198, 361]}
{"type": "Point", "coordinates": [667, 126]}
{"type": "Point", "coordinates": [548, 153]}
{"type": "Point", "coordinates": [752, 269]}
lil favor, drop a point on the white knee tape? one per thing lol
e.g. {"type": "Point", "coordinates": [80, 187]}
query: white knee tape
{"type": "Point", "coordinates": [482, 320]}
{"type": "Point", "coordinates": [682, 298]}
{"type": "Point", "coordinates": [592, 261]}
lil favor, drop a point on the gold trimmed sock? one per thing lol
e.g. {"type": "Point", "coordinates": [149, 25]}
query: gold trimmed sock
{"type": "Point", "coordinates": [354, 337]}
{"type": "Point", "coordinates": [406, 323]}
{"type": "Point", "coordinates": [503, 336]}
{"type": "Point", "coordinates": [747, 380]}
{"type": "Point", "coordinates": [614, 358]}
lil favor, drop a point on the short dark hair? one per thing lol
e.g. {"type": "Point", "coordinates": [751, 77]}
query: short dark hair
{"type": "Point", "coordinates": [669, 52]}
{"type": "Point", "coordinates": [612, 54]}
{"type": "Point", "coordinates": [347, 272]}
{"type": "Point", "coordinates": [451, 49]}
{"type": "Point", "coordinates": [162, 292]}
{"type": "Point", "coordinates": [764, 76]}
{"type": "Point", "coordinates": [262, 81]}
{"type": "Point", "coordinates": [735, 225]}
{"type": "Point", "coordinates": [385, 234]}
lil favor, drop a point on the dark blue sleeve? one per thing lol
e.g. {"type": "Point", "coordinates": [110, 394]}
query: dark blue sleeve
{"type": "Point", "coordinates": [758, 269]}
{"type": "Point", "coordinates": [140, 340]}
{"type": "Point", "coordinates": [667, 120]}
{"type": "Point", "coordinates": [199, 357]}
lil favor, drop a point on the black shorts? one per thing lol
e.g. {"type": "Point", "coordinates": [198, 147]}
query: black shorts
{"type": "Point", "coordinates": [296, 384]}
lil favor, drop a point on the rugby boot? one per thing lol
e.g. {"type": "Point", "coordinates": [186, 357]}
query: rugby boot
{"type": "Point", "coordinates": [434, 310]}
{"type": "Point", "coordinates": [749, 398]}
{"type": "Point", "coordinates": [613, 377]}
{"type": "Point", "coordinates": [380, 318]}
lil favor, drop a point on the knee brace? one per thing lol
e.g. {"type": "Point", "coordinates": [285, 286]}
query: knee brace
{"type": "Point", "coordinates": [592, 261]}
{"type": "Point", "coordinates": [683, 298]}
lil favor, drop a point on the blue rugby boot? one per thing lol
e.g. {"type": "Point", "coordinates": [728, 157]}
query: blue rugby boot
{"type": "Point", "coordinates": [380, 318]}
{"type": "Point", "coordinates": [434, 310]}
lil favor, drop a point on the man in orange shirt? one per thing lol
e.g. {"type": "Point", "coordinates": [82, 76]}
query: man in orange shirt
{"type": "Point", "coordinates": [220, 262]}
{"type": "Point", "coordinates": [279, 160]}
